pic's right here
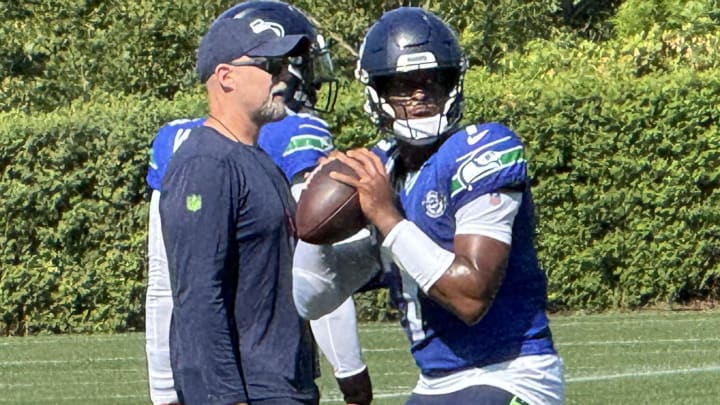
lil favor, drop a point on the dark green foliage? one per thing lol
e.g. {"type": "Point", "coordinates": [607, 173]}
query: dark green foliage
{"type": "Point", "coordinates": [58, 51]}
{"type": "Point", "coordinates": [620, 116]}
{"type": "Point", "coordinates": [73, 245]}
{"type": "Point", "coordinates": [55, 52]}
{"type": "Point", "coordinates": [625, 170]}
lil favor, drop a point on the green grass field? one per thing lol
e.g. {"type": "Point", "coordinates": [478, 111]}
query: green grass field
{"type": "Point", "coordinates": [635, 358]}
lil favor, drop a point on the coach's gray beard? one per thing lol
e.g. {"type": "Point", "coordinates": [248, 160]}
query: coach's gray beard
{"type": "Point", "coordinates": [271, 110]}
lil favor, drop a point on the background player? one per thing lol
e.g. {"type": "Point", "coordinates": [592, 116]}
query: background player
{"type": "Point", "coordinates": [295, 144]}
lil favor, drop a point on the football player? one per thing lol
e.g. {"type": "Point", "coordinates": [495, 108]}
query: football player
{"type": "Point", "coordinates": [295, 144]}
{"type": "Point", "coordinates": [469, 286]}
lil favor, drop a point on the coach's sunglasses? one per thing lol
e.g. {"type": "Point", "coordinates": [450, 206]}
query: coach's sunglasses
{"type": "Point", "coordinates": [272, 65]}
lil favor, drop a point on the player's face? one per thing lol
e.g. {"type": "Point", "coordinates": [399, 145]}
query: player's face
{"type": "Point", "coordinates": [416, 94]}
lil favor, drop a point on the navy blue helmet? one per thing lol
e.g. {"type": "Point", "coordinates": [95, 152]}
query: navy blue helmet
{"type": "Point", "coordinates": [404, 40]}
{"type": "Point", "coordinates": [311, 71]}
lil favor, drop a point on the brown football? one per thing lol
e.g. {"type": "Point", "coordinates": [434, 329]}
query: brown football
{"type": "Point", "coordinates": [329, 211]}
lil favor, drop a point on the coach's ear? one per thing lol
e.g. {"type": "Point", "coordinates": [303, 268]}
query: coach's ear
{"type": "Point", "coordinates": [224, 76]}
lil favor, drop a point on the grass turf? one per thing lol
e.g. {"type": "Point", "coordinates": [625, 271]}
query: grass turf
{"type": "Point", "coordinates": [618, 358]}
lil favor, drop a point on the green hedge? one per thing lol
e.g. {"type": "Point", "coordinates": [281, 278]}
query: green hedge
{"type": "Point", "coordinates": [626, 189]}
{"type": "Point", "coordinates": [622, 137]}
{"type": "Point", "coordinates": [625, 162]}
{"type": "Point", "coordinates": [73, 244]}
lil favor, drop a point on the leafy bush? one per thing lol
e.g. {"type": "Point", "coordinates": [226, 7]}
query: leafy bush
{"type": "Point", "coordinates": [59, 51]}
{"type": "Point", "coordinates": [624, 170]}
{"type": "Point", "coordinates": [56, 52]}
{"type": "Point", "coordinates": [622, 137]}
{"type": "Point", "coordinates": [73, 246]}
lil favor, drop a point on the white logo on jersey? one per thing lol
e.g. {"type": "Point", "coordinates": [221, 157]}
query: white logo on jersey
{"type": "Point", "coordinates": [474, 137]}
{"type": "Point", "coordinates": [435, 204]}
{"type": "Point", "coordinates": [180, 136]}
{"type": "Point", "coordinates": [261, 25]}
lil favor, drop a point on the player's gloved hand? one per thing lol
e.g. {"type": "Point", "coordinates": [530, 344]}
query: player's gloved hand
{"type": "Point", "coordinates": [356, 389]}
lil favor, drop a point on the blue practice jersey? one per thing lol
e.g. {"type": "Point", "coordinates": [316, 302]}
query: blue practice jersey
{"type": "Point", "coordinates": [294, 143]}
{"type": "Point", "coordinates": [166, 142]}
{"type": "Point", "coordinates": [474, 161]}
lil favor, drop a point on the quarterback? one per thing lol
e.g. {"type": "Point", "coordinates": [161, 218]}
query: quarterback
{"type": "Point", "coordinates": [453, 208]}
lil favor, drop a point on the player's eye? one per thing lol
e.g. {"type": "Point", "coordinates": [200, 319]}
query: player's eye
{"type": "Point", "coordinates": [435, 83]}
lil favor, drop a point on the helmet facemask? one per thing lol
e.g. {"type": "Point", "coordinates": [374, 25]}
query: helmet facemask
{"type": "Point", "coordinates": [395, 108]}
{"type": "Point", "coordinates": [310, 73]}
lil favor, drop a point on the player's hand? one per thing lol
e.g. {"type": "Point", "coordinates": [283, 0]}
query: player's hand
{"type": "Point", "coordinates": [322, 161]}
{"type": "Point", "coordinates": [377, 197]}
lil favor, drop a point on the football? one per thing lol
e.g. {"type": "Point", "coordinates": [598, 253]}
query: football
{"type": "Point", "coordinates": [328, 211]}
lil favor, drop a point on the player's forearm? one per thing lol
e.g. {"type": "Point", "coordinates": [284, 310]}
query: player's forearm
{"type": "Point", "coordinates": [469, 285]}
{"type": "Point", "coordinates": [464, 291]}
{"type": "Point", "coordinates": [325, 276]}
{"type": "Point", "coordinates": [463, 284]}
{"type": "Point", "coordinates": [416, 254]}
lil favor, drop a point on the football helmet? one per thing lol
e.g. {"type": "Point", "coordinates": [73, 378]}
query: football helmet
{"type": "Point", "coordinates": [310, 72]}
{"type": "Point", "coordinates": [401, 43]}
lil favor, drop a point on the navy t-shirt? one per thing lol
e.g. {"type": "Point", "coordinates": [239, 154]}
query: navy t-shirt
{"type": "Point", "coordinates": [227, 223]}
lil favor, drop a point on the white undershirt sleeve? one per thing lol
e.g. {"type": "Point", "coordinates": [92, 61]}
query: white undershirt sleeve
{"type": "Point", "coordinates": [490, 215]}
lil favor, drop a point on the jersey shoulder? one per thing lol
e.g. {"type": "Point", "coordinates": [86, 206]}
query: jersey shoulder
{"type": "Point", "coordinates": [386, 150]}
{"type": "Point", "coordinates": [167, 140]}
{"type": "Point", "coordinates": [170, 135]}
{"type": "Point", "coordinates": [296, 142]}
{"type": "Point", "coordinates": [296, 133]}
{"type": "Point", "coordinates": [482, 158]}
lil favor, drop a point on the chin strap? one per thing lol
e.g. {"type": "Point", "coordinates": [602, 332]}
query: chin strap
{"type": "Point", "coordinates": [419, 129]}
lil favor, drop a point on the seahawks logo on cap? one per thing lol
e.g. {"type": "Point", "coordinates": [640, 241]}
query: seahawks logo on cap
{"type": "Point", "coordinates": [261, 25]}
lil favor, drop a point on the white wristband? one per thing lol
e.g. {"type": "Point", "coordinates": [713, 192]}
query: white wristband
{"type": "Point", "coordinates": [418, 255]}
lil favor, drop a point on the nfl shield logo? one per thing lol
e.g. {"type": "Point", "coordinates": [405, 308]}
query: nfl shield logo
{"type": "Point", "coordinates": [193, 202]}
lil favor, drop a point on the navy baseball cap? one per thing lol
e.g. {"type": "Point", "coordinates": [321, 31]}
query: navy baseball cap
{"type": "Point", "coordinates": [246, 30]}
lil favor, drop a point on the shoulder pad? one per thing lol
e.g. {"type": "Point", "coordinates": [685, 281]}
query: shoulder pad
{"type": "Point", "coordinates": [483, 158]}
{"type": "Point", "coordinates": [166, 142]}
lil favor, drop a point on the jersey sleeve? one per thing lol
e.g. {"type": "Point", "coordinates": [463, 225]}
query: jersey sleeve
{"type": "Point", "coordinates": [296, 143]}
{"type": "Point", "coordinates": [482, 159]}
{"type": "Point", "coordinates": [197, 209]}
{"type": "Point", "coordinates": [159, 157]}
